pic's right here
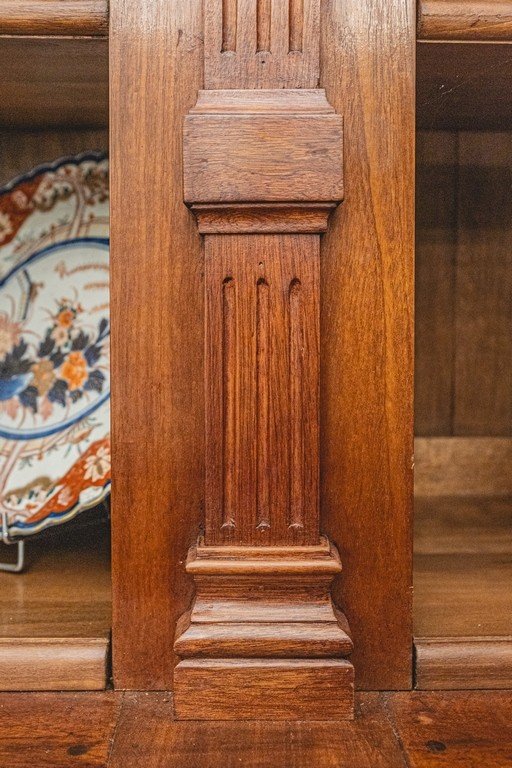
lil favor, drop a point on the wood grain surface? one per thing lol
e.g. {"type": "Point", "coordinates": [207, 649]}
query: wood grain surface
{"type": "Point", "coordinates": [54, 664]}
{"type": "Point", "coordinates": [264, 689]}
{"type": "Point", "coordinates": [458, 729]}
{"type": "Point", "coordinates": [462, 568]}
{"type": "Point", "coordinates": [477, 663]}
{"type": "Point", "coordinates": [55, 617]}
{"type": "Point", "coordinates": [366, 331]}
{"type": "Point", "coordinates": [147, 734]}
{"type": "Point", "coordinates": [262, 389]}
{"type": "Point", "coordinates": [462, 466]}
{"type": "Point", "coordinates": [57, 729]}
{"type": "Point", "coordinates": [483, 350]}
{"type": "Point", "coordinates": [51, 81]}
{"type": "Point", "coordinates": [54, 17]}
{"type": "Point", "coordinates": [462, 597]}
{"type": "Point", "coordinates": [475, 20]}
{"type": "Point", "coordinates": [263, 157]}
{"type": "Point", "coordinates": [261, 44]}
{"type": "Point", "coordinates": [115, 730]}
{"type": "Point", "coordinates": [20, 151]}
{"type": "Point", "coordinates": [157, 325]}
{"type": "Point", "coordinates": [464, 285]}
{"type": "Point", "coordinates": [464, 86]}
{"type": "Point", "coordinates": [435, 283]}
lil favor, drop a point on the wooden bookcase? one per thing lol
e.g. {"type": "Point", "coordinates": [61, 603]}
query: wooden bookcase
{"type": "Point", "coordinates": [60, 60]}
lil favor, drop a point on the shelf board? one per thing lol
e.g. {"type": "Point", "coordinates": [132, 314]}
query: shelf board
{"type": "Point", "coordinates": [475, 20]}
{"type": "Point", "coordinates": [54, 17]}
{"type": "Point", "coordinates": [55, 617]}
{"type": "Point", "coordinates": [462, 595]}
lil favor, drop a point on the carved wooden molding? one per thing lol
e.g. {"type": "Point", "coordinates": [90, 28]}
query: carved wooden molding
{"type": "Point", "coordinates": [262, 171]}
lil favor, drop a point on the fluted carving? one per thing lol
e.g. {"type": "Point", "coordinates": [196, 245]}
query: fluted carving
{"type": "Point", "coordinates": [262, 389]}
{"type": "Point", "coordinates": [261, 43]}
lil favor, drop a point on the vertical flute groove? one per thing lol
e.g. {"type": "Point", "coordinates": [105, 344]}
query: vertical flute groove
{"type": "Point", "coordinates": [229, 22]}
{"type": "Point", "coordinates": [296, 437]}
{"type": "Point", "coordinates": [229, 427]}
{"type": "Point", "coordinates": [263, 24]}
{"type": "Point", "coordinates": [262, 404]}
{"type": "Point", "coordinates": [295, 25]}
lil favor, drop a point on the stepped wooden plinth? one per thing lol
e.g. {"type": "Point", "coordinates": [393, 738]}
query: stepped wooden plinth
{"type": "Point", "coordinates": [263, 639]}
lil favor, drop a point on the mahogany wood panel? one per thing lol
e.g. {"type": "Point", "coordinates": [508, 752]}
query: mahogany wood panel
{"type": "Point", "coordinates": [478, 525]}
{"type": "Point", "coordinates": [462, 567]}
{"type": "Point", "coordinates": [262, 44]}
{"type": "Point", "coordinates": [262, 389]}
{"type": "Point", "coordinates": [265, 689]}
{"type": "Point", "coordinates": [57, 729]}
{"type": "Point", "coordinates": [148, 735]}
{"type": "Point", "coordinates": [54, 17]}
{"type": "Point", "coordinates": [475, 20]}
{"type": "Point", "coordinates": [455, 728]}
{"type": "Point", "coordinates": [367, 68]}
{"type": "Point", "coordinates": [464, 663]}
{"type": "Point", "coordinates": [55, 617]}
{"type": "Point", "coordinates": [56, 663]}
{"type": "Point", "coordinates": [462, 603]}
{"type": "Point", "coordinates": [246, 157]}
{"type": "Point", "coordinates": [262, 380]}
{"type": "Point", "coordinates": [157, 306]}
{"type": "Point", "coordinates": [464, 86]}
{"type": "Point", "coordinates": [50, 81]}
{"type": "Point", "coordinates": [483, 350]}
{"type": "Point", "coordinates": [464, 285]}
{"type": "Point", "coordinates": [22, 150]}
{"type": "Point", "coordinates": [436, 252]}
{"type": "Point", "coordinates": [462, 466]}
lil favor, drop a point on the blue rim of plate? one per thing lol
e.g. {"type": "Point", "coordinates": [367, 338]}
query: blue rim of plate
{"type": "Point", "coordinates": [34, 434]}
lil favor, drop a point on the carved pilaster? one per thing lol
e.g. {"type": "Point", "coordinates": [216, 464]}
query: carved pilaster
{"type": "Point", "coordinates": [262, 171]}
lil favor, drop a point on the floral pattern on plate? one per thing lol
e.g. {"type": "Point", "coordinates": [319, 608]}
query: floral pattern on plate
{"type": "Point", "coordinates": [54, 344]}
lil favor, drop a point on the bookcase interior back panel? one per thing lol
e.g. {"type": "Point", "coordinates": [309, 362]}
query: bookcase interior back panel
{"type": "Point", "coordinates": [464, 284]}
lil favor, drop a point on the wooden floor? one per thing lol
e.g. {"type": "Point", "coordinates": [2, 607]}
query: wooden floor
{"type": "Point", "coordinates": [55, 616]}
{"type": "Point", "coordinates": [130, 730]}
{"type": "Point", "coordinates": [463, 592]}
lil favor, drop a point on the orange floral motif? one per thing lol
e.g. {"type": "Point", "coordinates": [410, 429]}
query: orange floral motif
{"type": "Point", "coordinates": [65, 318]}
{"type": "Point", "coordinates": [74, 370]}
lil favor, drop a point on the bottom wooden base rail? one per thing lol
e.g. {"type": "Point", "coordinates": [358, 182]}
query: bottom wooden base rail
{"type": "Point", "coordinates": [263, 639]}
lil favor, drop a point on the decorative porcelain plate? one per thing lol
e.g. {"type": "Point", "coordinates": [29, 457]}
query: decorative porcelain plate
{"type": "Point", "coordinates": [54, 344]}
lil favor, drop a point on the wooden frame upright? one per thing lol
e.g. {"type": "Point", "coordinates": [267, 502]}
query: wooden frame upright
{"type": "Point", "coordinates": [359, 272]}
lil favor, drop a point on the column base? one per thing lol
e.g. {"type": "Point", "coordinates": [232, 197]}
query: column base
{"type": "Point", "coordinates": [263, 640]}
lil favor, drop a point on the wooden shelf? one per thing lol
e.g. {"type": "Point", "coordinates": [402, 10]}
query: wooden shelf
{"type": "Point", "coordinates": [462, 594]}
{"type": "Point", "coordinates": [55, 617]}
{"type": "Point", "coordinates": [476, 20]}
{"type": "Point", "coordinates": [54, 17]}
